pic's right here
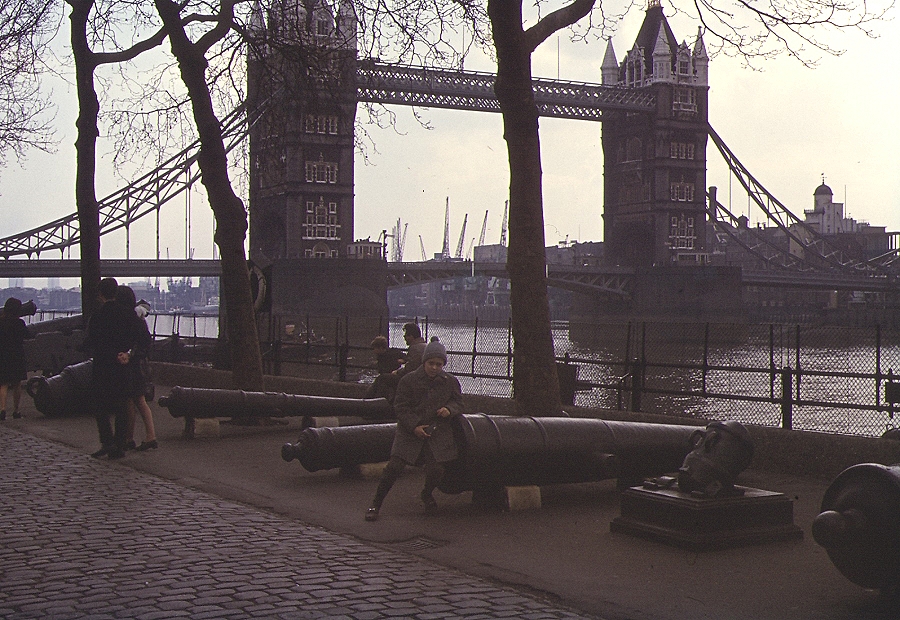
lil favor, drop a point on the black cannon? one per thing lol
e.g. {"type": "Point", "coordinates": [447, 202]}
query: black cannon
{"type": "Point", "coordinates": [212, 403]}
{"type": "Point", "coordinates": [57, 343]}
{"type": "Point", "coordinates": [497, 451]}
{"type": "Point", "coordinates": [66, 393]}
{"type": "Point", "coordinates": [859, 526]}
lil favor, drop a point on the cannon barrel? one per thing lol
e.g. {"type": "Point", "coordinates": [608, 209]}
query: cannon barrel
{"type": "Point", "coordinates": [65, 324]}
{"type": "Point", "coordinates": [344, 446]}
{"type": "Point", "coordinates": [65, 393]}
{"type": "Point", "coordinates": [512, 451]}
{"type": "Point", "coordinates": [213, 403]}
{"type": "Point", "coordinates": [859, 525]}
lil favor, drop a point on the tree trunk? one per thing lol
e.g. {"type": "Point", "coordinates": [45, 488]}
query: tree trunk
{"type": "Point", "coordinates": [230, 215]}
{"type": "Point", "coordinates": [86, 154]}
{"type": "Point", "coordinates": [535, 382]}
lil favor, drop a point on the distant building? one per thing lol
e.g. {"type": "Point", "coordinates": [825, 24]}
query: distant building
{"type": "Point", "coordinates": [495, 253]}
{"type": "Point", "coordinates": [365, 248]}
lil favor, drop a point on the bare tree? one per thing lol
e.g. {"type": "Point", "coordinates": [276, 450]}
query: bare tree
{"type": "Point", "coordinates": [230, 214]}
{"type": "Point", "coordinates": [89, 26]}
{"type": "Point", "coordinates": [26, 28]}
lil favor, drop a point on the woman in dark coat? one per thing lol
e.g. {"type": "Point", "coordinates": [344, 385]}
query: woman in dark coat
{"type": "Point", "coordinates": [426, 401]}
{"type": "Point", "coordinates": [13, 333]}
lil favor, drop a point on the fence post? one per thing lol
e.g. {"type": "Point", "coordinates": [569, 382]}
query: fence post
{"type": "Point", "coordinates": [342, 372]}
{"type": "Point", "coordinates": [276, 357]}
{"type": "Point", "coordinates": [637, 383]}
{"type": "Point", "coordinates": [787, 401]}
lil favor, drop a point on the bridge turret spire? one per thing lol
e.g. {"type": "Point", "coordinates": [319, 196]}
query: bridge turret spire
{"type": "Point", "coordinates": [346, 25]}
{"type": "Point", "coordinates": [609, 70]}
{"type": "Point", "coordinates": [662, 58]}
{"type": "Point", "coordinates": [701, 60]}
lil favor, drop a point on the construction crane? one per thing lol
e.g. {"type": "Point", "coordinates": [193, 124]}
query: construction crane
{"type": "Point", "coordinates": [403, 241]}
{"type": "Point", "coordinates": [422, 246]}
{"type": "Point", "coordinates": [483, 229]}
{"type": "Point", "coordinates": [398, 242]}
{"type": "Point", "coordinates": [462, 237]}
{"type": "Point", "coordinates": [503, 225]}
{"type": "Point", "coordinates": [445, 250]}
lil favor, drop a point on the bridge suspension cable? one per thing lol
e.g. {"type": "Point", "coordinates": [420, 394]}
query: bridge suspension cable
{"type": "Point", "coordinates": [817, 252]}
{"type": "Point", "coordinates": [132, 202]}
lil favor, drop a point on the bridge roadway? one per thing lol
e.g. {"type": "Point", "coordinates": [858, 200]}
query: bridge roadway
{"type": "Point", "coordinates": [606, 280]}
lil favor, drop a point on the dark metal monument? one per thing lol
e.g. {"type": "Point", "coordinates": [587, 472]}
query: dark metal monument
{"type": "Point", "coordinates": [708, 510]}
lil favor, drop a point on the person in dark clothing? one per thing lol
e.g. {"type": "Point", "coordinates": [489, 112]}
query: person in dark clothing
{"type": "Point", "coordinates": [114, 334]}
{"type": "Point", "coordinates": [13, 333]}
{"type": "Point", "coordinates": [426, 401]}
{"type": "Point", "coordinates": [387, 360]}
{"type": "Point", "coordinates": [137, 401]}
{"type": "Point", "coordinates": [416, 346]}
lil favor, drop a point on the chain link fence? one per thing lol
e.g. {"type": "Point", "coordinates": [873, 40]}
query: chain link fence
{"type": "Point", "coordinates": [829, 379]}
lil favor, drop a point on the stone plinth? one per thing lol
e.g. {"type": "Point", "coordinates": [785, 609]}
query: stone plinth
{"type": "Point", "coordinates": [753, 516]}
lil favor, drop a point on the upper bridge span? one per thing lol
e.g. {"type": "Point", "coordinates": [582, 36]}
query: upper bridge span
{"type": "Point", "coordinates": [617, 281]}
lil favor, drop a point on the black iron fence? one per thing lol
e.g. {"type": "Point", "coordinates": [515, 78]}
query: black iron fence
{"type": "Point", "coordinates": [829, 379]}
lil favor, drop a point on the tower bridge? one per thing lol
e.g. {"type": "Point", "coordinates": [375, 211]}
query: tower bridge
{"type": "Point", "coordinates": [653, 107]}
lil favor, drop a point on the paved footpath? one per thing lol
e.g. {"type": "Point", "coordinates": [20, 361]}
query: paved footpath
{"type": "Point", "coordinates": [81, 538]}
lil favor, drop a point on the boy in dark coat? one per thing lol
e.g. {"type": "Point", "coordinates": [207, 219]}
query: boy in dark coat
{"type": "Point", "coordinates": [426, 400]}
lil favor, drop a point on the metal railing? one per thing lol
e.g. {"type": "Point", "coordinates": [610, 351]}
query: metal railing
{"type": "Point", "coordinates": [828, 379]}
{"type": "Point", "coordinates": [798, 377]}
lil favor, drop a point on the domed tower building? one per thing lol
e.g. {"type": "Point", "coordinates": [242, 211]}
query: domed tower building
{"type": "Point", "coordinates": [301, 79]}
{"type": "Point", "coordinates": [655, 165]}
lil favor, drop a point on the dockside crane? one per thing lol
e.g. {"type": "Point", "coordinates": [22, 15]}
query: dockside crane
{"type": "Point", "coordinates": [422, 246]}
{"type": "Point", "coordinates": [445, 249]}
{"type": "Point", "coordinates": [462, 237]}
{"type": "Point", "coordinates": [398, 242]}
{"type": "Point", "coordinates": [503, 225]}
{"type": "Point", "coordinates": [483, 229]}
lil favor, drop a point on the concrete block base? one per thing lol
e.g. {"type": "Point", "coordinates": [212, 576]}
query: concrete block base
{"type": "Point", "coordinates": [206, 427]}
{"type": "Point", "coordinates": [364, 471]}
{"type": "Point", "coordinates": [522, 498]}
{"type": "Point", "coordinates": [324, 421]}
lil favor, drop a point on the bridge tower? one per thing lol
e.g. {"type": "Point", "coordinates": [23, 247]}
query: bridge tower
{"type": "Point", "coordinates": [655, 165]}
{"type": "Point", "coordinates": [302, 70]}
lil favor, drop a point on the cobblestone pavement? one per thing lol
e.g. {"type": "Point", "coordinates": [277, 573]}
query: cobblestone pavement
{"type": "Point", "coordinates": [81, 538]}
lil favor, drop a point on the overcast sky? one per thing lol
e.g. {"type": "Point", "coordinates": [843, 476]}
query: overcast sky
{"type": "Point", "coordinates": [788, 124]}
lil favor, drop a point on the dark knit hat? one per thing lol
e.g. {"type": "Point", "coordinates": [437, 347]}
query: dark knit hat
{"type": "Point", "coordinates": [12, 306]}
{"type": "Point", "coordinates": [434, 349]}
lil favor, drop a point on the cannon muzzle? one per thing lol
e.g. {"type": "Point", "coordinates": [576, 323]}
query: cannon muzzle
{"type": "Point", "coordinates": [331, 448]}
{"type": "Point", "coordinates": [859, 525]}
{"type": "Point", "coordinates": [212, 403]}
